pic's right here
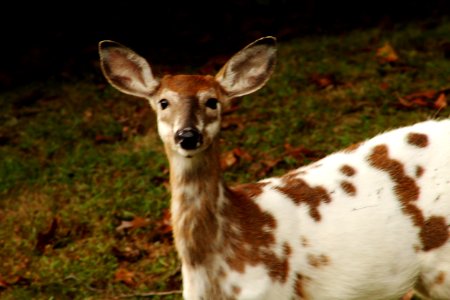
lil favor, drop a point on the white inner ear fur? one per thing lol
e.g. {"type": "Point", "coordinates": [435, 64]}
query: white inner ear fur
{"type": "Point", "coordinates": [149, 83]}
{"type": "Point", "coordinates": [247, 71]}
{"type": "Point", "coordinates": [127, 71]}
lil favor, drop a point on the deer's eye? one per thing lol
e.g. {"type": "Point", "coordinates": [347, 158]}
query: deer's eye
{"type": "Point", "coordinates": [164, 103]}
{"type": "Point", "coordinates": [212, 103]}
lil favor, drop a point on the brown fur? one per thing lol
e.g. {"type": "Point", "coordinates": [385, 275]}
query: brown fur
{"type": "Point", "coordinates": [419, 171]}
{"type": "Point", "coordinates": [300, 192]}
{"type": "Point", "coordinates": [348, 187]}
{"type": "Point", "coordinates": [189, 85]}
{"type": "Point", "coordinates": [251, 240]}
{"type": "Point", "coordinates": [197, 225]}
{"type": "Point", "coordinates": [440, 278]}
{"type": "Point", "coordinates": [318, 261]}
{"type": "Point", "coordinates": [299, 286]}
{"type": "Point", "coordinates": [434, 231]}
{"type": "Point", "coordinates": [304, 242]}
{"type": "Point", "coordinates": [348, 170]}
{"type": "Point", "coordinates": [417, 139]}
{"type": "Point", "coordinates": [405, 187]}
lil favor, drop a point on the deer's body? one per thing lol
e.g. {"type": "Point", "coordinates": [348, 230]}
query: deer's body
{"type": "Point", "coordinates": [368, 222]}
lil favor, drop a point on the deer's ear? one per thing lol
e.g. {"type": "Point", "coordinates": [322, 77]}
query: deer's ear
{"type": "Point", "coordinates": [125, 70]}
{"type": "Point", "coordinates": [249, 69]}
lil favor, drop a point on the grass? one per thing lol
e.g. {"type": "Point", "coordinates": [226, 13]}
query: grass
{"type": "Point", "coordinates": [79, 159]}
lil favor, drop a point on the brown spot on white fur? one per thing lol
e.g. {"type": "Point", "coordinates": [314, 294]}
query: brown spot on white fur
{"type": "Point", "coordinates": [278, 266]}
{"type": "Point", "coordinates": [405, 187]}
{"type": "Point", "coordinates": [318, 261]}
{"type": "Point", "coordinates": [236, 290]}
{"type": "Point", "coordinates": [440, 278]}
{"type": "Point", "coordinates": [299, 286]}
{"type": "Point", "coordinates": [300, 192]}
{"type": "Point", "coordinates": [348, 187]}
{"type": "Point", "coordinates": [417, 139]}
{"type": "Point", "coordinates": [249, 233]}
{"type": "Point", "coordinates": [304, 241]}
{"type": "Point", "coordinates": [251, 241]}
{"type": "Point", "coordinates": [419, 171]}
{"type": "Point", "coordinates": [348, 170]}
{"type": "Point", "coordinates": [434, 233]}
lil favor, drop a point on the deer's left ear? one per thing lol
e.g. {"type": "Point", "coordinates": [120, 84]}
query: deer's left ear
{"type": "Point", "coordinates": [249, 69]}
{"type": "Point", "coordinates": [126, 70]}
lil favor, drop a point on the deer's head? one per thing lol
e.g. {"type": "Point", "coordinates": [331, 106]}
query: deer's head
{"type": "Point", "coordinates": [189, 107]}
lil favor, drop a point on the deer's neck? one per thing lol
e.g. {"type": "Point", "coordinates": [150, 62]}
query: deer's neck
{"type": "Point", "coordinates": [197, 195]}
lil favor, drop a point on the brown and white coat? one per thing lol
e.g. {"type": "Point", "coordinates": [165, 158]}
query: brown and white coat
{"type": "Point", "coordinates": [368, 222]}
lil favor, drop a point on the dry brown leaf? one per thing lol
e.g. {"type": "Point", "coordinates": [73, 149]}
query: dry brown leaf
{"type": "Point", "coordinates": [441, 101]}
{"type": "Point", "coordinates": [125, 276]}
{"type": "Point", "coordinates": [137, 222]}
{"type": "Point", "coordinates": [323, 81]}
{"type": "Point", "coordinates": [300, 152]}
{"type": "Point", "coordinates": [3, 283]}
{"type": "Point", "coordinates": [47, 237]}
{"type": "Point", "coordinates": [429, 98]}
{"type": "Point", "coordinates": [384, 86]}
{"type": "Point", "coordinates": [386, 53]}
{"type": "Point", "coordinates": [240, 153]}
{"type": "Point", "coordinates": [165, 224]}
{"type": "Point", "coordinates": [228, 159]}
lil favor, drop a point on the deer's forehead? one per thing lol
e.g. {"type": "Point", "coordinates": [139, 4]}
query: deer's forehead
{"type": "Point", "coordinates": [189, 86]}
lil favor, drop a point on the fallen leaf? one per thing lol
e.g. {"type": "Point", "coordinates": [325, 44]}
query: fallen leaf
{"type": "Point", "coordinates": [228, 159]}
{"type": "Point", "coordinates": [129, 254]}
{"type": "Point", "coordinates": [323, 81]}
{"type": "Point", "coordinates": [242, 154]}
{"type": "Point", "coordinates": [441, 101]}
{"type": "Point", "coordinates": [300, 152]}
{"type": "Point", "coordinates": [88, 115]}
{"type": "Point", "coordinates": [104, 139]}
{"type": "Point", "coordinates": [387, 54]}
{"type": "Point", "coordinates": [125, 276]}
{"type": "Point", "coordinates": [166, 222]}
{"type": "Point", "coordinates": [266, 166]}
{"type": "Point", "coordinates": [429, 98]}
{"type": "Point", "coordinates": [3, 283]}
{"type": "Point", "coordinates": [384, 86]}
{"type": "Point", "coordinates": [404, 103]}
{"type": "Point", "coordinates": [162, 231]}
{"type": "Point", "coordinates": [47, 237]}
{"type": "Point", "coordinates": [137, 222]}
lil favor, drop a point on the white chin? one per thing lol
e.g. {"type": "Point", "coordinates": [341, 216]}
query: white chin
{"type": "Point", "coordinates": [188, 153]}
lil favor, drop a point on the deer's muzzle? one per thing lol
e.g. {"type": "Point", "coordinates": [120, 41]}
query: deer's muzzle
{"type": "Point", "coordinates": [189, 138]}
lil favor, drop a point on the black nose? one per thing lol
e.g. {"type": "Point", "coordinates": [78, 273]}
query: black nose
{"type": "Point", "coordinates": [189, 138]}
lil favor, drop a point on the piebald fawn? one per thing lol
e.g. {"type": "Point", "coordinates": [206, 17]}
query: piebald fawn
{"type": "Point", "coordinates": [368, 222]}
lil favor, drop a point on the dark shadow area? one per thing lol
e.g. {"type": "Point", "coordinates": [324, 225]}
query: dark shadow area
{"type": "Point", "coordinates": [60, 40]}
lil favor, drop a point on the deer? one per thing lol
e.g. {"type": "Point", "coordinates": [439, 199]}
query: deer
{"type": "Point", "coordinates": [370, 221]}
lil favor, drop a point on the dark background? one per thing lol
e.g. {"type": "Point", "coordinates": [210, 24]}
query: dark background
{"type": "Point", "coordinates": [59, 40]}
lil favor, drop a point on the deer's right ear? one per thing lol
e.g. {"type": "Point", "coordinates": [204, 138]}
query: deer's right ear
{"type": "Point", "coordinates": [125, 70]}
